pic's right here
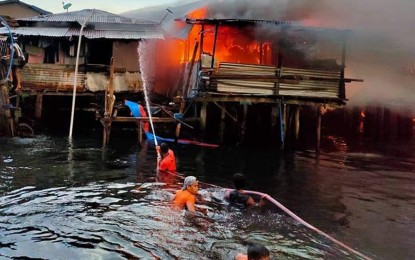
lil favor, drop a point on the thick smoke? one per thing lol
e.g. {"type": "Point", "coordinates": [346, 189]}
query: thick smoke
{"type": "Point", "coordinates": [380, 50]}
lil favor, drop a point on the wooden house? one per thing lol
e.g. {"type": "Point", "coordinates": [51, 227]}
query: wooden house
{"type": "Point", "coordinates": [19, 9]}
{"type": "Point", "coordinates": [51, 43]}
{"type": "Point", "coordinates": [237, 64]}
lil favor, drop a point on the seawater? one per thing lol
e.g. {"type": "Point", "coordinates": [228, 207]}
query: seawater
{"type": "Point", "coordinates": [77, 200]}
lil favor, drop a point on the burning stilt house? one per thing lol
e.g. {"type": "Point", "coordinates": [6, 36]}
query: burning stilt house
{"type": "Point", "coordinates": [249, 62]}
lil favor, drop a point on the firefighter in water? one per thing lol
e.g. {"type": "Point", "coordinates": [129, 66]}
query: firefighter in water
{"type": "Point", "coordinates": [166, 161]}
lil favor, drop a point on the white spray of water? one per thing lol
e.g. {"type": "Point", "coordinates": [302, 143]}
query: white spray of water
{"type": "Point", "coordinates": [147, 73]}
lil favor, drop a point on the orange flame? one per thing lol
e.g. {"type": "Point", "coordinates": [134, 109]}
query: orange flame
{"type": "Point", "coordinates": [362, 114]}
{"type": "Point", "coordinates": [197, 14]}
{"type": "Point", "coordinates": [235, 45]}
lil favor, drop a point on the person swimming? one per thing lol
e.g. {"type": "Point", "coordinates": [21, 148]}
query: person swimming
{"type": "Point", "coordinates": [255, 252]}
{"type": "Point", "coordinates": [185, 198]}
{"type": "Point", "coordinates": [237, 197]}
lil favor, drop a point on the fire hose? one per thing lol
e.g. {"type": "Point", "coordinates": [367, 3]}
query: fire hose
{"type": "Point", "coordinates": [291, 214]}
{"type": "Point", "coordinates": [294, 216]}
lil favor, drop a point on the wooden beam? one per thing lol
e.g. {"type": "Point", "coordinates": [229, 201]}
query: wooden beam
{"type": "Point", "coordinates": [189, 75]}
{"type": "Point", "coordinates": [268, 100]}
{"type": "Point", "coordinates": [38, 108]}
{"type": "Point", "coordinates": [214, 46]}
{"type": "Point", "coordinates": [222, 107]}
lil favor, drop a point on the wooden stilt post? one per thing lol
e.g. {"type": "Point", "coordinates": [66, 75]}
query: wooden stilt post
{"type": "Point", "coordinates": [179, 125]}
{"type": "Point", "coordinates": [244, 123]}
{"type": "Point", "coordinates": [284, 121]}
{"type": "Point", "coordinates": [222, 124]}
{"type": "Point", "coordinates": [107, 131]}
{"type": "Point", "coordinates": [297, 122]}
{"type": "Point", "coordinates": [17, 112]}
{"type": "Point", "coordinates": [39, 104]}
{"type": "Point", "coordinates": [203, 117]}
{"type": "Point", "coordinates": [140, 133]}
{"type": "Point", "coordinates": [109, 106]}
{"type": "Point", "coordinates": [380, 119]}
{"type": "Point", "coordinates": [387, 123]}
{"type": "Point", "coordinates": [318, 127]}
{"type": "Point", "coordinates": [186, 89]}
{"type": "Point", "coordinates": [5, 101]}
{"type": "Point", "coordinates": [274, 117]}
{"type": "Point", "coordinates": [281, 121]}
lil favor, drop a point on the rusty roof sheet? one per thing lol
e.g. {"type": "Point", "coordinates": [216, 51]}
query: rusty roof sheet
{"type": "Point", "coordinates": [88, 33]}
{"type": "Point", "coordinates": [98, 16]}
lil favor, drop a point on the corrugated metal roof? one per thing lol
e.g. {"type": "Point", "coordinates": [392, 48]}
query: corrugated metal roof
{"type": "Point", "coordinates": [35, 8]}
{"type": "Point", "coordinates": [90, 34]}
{"type": "Point", "coordinates": [232, 21]}
{"type": "Point", "coordinates": [37, 31]}
{"type": "Point", "coordinates": [98, 16]}
{"type": "Point", "coordinates": [95, 34]}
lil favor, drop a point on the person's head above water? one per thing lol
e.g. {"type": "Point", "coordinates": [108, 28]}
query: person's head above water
{"type": "Point", "coordinates": [238, 181]}
{"type": "Point", "coordinates": [164, 148]}
{"type": "Point", "coordinates": [191, 183]}
{"type": "Point", "coordinates": [257, 252]}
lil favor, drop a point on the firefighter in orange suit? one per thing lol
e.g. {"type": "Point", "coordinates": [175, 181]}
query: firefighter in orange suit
{"type": "Point", "coordinates": [166, 160]}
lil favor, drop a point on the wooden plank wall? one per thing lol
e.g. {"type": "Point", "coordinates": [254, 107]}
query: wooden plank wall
{"type": "Point", "coordinates": [51, 77]}
{"type": "Point", "coordinates": [269, 80]}
{"type": "Point", "coordinates": [246, 78]}
{"type": "Point", "coordinates": [311, 83]}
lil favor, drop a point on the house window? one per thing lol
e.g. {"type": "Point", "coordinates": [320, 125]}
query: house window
{"type": "Point", "coordinates": [99, 51]}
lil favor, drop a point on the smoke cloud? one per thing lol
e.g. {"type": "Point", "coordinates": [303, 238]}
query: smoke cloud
{"type": "Point", "coordinates": [380, 50]}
